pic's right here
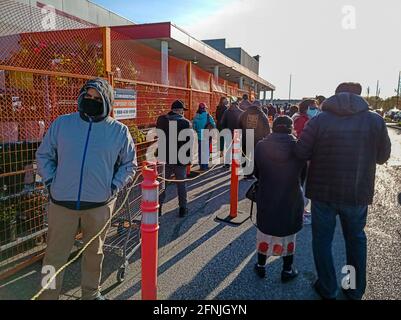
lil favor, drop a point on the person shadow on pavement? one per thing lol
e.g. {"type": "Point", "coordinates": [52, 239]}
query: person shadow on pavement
{"type": "Point", "coordinates": [203, 203]}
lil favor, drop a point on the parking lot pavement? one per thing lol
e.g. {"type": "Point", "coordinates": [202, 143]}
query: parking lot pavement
{"type": "Point", "coordinates": [200, 258]}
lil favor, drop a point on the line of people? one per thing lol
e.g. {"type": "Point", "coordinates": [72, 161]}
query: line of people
{"type": "Point", "coordinates": [325, 150]}
{"type": "Point", "coordinates": [343, 142]}
{"type": "Point", "coordinates": [87, 157]}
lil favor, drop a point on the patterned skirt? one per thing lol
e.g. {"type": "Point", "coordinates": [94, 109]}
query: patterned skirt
{"type": "Point", "coordinates": [275, 246]}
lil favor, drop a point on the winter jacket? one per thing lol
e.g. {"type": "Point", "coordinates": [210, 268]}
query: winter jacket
{"type": "Point", "coordinates": [300, 121]}
{"type": "Point", "coordinates": [245, 104]}
{"type": "Point", "coordinates": [280, 202]}
{"type": "Point", "coordinates": [231, 118]}
{"type": "Point", "coordinates": [344, 144]}
{"type": "Point", "coordinates": [200, 121]}
{"type": "Point", "coordinates": [272, 111]}
{"type": "Point", "coordinates": [220, 110]}
{"type": "Point", "coordinates": [254, 118]}
{"type": "Point", "coordinates": [181, 123]}
{"type": "Point", "coordinates": [86, 163]}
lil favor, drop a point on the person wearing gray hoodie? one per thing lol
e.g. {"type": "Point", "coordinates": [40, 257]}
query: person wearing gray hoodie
{"type": "Point", "coordinates": [85, 159]}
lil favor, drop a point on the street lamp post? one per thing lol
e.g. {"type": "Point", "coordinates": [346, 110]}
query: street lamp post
{"type": "Point", "coordinates": [289, 98]}
{"type": "Point", "coordinates": [398, 88]}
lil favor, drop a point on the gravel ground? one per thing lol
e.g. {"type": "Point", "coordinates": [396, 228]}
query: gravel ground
{"type": "Point", "coordinates": [200, 258]}
{"type": "Point", "coordinates": [384, 229]}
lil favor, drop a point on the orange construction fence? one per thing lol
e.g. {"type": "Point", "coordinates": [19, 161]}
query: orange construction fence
{"type": "Point", "coordinates": [41, 74]}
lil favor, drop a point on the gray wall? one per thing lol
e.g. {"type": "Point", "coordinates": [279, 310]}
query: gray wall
{"type": "Point", "coordinates": [237, 54]}
{"type": "Point", "coordinates": [250, 62]}
{"type": "Point", "coordinates": [85, 10]}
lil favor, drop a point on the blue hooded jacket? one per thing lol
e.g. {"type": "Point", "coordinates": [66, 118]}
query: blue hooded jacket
{"type": "Point", "coordinates": [85, 162]}
{"type": "Point", "coordinates": [200, 121]}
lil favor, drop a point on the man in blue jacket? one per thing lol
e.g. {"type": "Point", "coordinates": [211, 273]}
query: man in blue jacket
{"type": "Point", "coordinates": [85, 159]}
{"type": "Point", "coordinates": [344, 143]}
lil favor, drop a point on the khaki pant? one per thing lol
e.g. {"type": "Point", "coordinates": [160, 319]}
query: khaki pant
{"type": "Point", "coordinates": [63, 226]}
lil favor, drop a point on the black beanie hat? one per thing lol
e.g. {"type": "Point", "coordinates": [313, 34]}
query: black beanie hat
{"type": "Point", "coordinates": [283, 124]}
{"type": "Point", "coordinates": [178, 104]}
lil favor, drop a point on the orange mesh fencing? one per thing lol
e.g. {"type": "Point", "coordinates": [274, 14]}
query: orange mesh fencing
{"type": "Point", "coordinates": [29, 103]}
{"type": "Point", "coordinates": [200, 79]}
{"type": "Point", "coordinates": [197, 98]}
{"type": "Point", "coordinates": [132, 60]}
{"type": "Point", "coordinates": [153, 101]}
{"type": "Point", "coordinates": [232, 89]}
{"type": "Point", "coordinates": [219, 85]}
{"type": "Point", "coordinates": [177, 70]}
{"type": "Point", "coordinates": [55, 51]}
{"type": "Point", "coordinates": [40, 78]}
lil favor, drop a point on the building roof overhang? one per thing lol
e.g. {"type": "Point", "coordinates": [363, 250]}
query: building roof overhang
{"type": "Point", "coordinates": [185, 47]}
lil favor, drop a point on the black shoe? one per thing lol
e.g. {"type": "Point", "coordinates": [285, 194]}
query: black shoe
{"type": "Point", "coordinates": [260, 271]}
{"type": "Point", "coordinates": [317, 290]}
{"type": "Point", "coordinates": [287, 276]}
{"type": "Point", "coordinates": [183, 212]}
{"type": "Point", "coordinates": [347, 295]}
{"type": "Point", "coordinates": [101, 297]}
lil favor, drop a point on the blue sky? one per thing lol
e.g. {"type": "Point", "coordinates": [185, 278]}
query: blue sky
{"type": "Point", "coordinates": [180, 12]}
{"type": "Point", "coordinates": [305, 38]}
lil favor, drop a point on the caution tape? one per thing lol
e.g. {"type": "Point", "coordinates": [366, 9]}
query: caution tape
{"type": "Point", "coordinates": [245, 156]}
{"type": "Point", "coordinates": [189, 179]}
{"type": "Point", "coordinates": [52, 278]}
{"type": "Point", "coordinates": [195, 178]}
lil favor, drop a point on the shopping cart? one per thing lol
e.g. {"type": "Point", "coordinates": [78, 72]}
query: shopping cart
{"type": "Point", "coordinates": [124, 235]}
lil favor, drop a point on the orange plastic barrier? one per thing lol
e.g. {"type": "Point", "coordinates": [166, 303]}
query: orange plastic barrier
{"type": "Point", "coordinates": [149, 231]}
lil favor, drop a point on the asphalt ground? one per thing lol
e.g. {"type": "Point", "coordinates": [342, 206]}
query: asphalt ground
{"type": "Point", "coordinates": [201, 258]}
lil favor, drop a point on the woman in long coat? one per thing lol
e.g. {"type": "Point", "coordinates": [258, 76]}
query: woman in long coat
{"type": "Point", "coordinates": [280, 202]}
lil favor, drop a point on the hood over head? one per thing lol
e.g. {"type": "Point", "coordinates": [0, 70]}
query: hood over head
{"type": "Point", "coordinates": [345, 104]}
{"type": "Point", "coordinates": [105, 90]}
{"type": "Point", "coordinates": [257, 104]}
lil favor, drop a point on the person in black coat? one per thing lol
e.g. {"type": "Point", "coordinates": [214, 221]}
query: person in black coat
{"type": "Point", "coordinates": [271, 111]}
{"type": "Point", "coordinates": [220, 110]}
{"type": "Point", "coordinates": [230, 121]}
{"type": "Point", "coordinates": [279, 199]}
{"type": "Point", "coordinates": [176, 121]}
{"type": "Point", "coordinates": [344, 143]}
{"type": "Point", "coordinates": [231, 117]}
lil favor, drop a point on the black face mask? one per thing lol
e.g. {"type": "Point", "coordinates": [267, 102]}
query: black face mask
{"type": "Point", "coordinates": [92, 107]}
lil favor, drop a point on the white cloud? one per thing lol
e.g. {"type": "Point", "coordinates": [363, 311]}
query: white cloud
{"type": "Point", "coordinates": [306, 38]}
